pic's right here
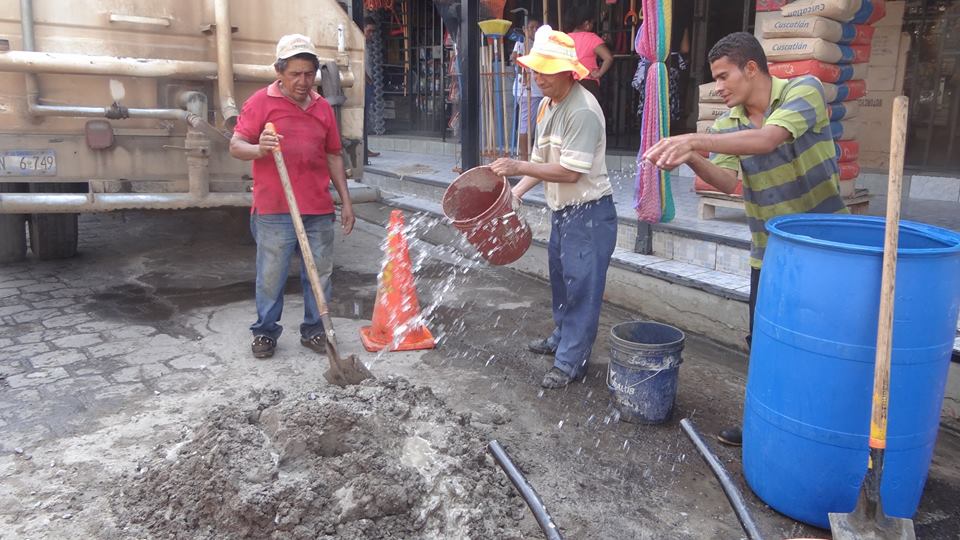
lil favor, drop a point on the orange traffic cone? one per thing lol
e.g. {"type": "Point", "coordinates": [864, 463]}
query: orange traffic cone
{"type": "Point", "coordinates": [396, 315]}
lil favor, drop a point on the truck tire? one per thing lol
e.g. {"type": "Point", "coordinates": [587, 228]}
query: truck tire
{"type": "Point", "coordinates": [54, 236]}
{"type": "Point", "coordinates": [13, 233]}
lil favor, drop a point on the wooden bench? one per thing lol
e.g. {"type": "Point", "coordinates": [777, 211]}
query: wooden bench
{"type": "Point", "coordinates": [710, 201]}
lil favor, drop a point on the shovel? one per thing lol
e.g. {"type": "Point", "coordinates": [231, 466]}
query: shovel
{"type": "Point", "coordinates": [342, 371]}
{"type": "Point", "coordinates": [867, 521]}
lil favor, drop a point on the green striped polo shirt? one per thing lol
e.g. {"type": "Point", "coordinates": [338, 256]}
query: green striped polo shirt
{"type": "Point", "coordinates": [801, 175]}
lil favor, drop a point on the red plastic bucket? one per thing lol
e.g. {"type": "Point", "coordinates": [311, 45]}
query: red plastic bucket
{"type": "Point", "coordinates": [479, 204]}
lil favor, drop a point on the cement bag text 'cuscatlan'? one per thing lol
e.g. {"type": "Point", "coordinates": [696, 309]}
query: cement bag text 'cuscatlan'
{"type": "Point", "coordinates": [818, 27]}
{"type": "Point", "coordinates": [790, 49]}
{"type": "Point", "coordinates": [852, 11]}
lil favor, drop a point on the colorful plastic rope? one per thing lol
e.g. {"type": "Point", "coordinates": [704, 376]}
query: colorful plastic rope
{"type": "Point", "coordinates": [654, 198]}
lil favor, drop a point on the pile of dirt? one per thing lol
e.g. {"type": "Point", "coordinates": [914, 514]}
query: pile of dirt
{"type": "Point", "coordinates": [385, 459]}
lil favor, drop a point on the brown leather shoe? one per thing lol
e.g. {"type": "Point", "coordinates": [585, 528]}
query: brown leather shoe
{"type": "Point", "coordinates": [263, 346]}
{"type": "Point", "coordinates": [541, 346]}
{"type": "Point", "coordinates": [371, 153]}
{"type": "Point", "coordinates": [555, 378]}
{"type": "Point", "coordinates": [317, 343]}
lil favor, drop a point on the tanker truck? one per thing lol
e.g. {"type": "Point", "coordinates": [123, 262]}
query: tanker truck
{"type": "Point", "coordinates": [109, 105]}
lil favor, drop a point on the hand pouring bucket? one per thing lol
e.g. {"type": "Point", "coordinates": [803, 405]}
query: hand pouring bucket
{"type": "Point", "coordinates": [479, 203]}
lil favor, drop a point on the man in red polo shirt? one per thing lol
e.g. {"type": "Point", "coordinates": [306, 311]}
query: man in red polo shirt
{"type": "Point", "coordinates": [311, 149]}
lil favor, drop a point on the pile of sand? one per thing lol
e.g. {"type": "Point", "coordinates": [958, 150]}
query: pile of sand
{"type": "Point", "coordinates": [382, 460]}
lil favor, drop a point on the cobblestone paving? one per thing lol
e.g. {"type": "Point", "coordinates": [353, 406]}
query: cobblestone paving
{"type": "Point", "coordinates": [72, 347]}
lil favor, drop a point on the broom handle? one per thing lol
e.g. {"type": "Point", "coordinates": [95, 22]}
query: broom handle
{"type": "Point", "coordinates": [881, 374]}
{"type": "Point", "coordinates": [487, 90]}
{"type": "Point", "coordinates": [501, 49]}
{"type": "Point", "coordinates": [483, 95]}
{"type": "Point", "coordinates": [528, 80]}
{"type": "Point", "coordinates": [491, 111]}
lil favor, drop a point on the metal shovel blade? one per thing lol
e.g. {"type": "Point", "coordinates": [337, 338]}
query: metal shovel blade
{"type": "Point", "coordinates": [344, 371]}
{"type": "Point", "coordinates": [868, 522]}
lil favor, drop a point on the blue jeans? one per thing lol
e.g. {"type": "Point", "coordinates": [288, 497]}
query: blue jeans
{"type": "Point", "coordinates": [276, 242]}
{"type": "Point", "coordinates": [582, 240]}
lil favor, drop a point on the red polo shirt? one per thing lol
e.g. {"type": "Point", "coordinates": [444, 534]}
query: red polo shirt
{"type": "Point", "coordinates": [308, 136]}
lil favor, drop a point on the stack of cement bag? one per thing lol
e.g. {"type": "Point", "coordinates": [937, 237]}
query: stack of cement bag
{"type": "Point", "coordinates": [711, 107]}
{"type": "Point", "coordinates": [830, 40]}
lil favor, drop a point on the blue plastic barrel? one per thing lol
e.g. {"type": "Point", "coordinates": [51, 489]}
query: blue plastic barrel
{"type": "Point", "coordinates": [645, 359]}
{"type": "Point", "coordinates": [809, 388]}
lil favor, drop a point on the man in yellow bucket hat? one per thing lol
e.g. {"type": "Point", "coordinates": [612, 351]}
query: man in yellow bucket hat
{"type": "Point", "coordinates": [569, 157]}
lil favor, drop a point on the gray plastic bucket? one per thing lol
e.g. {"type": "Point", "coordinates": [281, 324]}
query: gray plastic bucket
{"type": "Point", "coordinates": [642, 374]}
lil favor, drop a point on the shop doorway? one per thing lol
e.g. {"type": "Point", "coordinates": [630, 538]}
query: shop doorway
{"type": "Point", "coordinates": [933, 84]}
{"type": "Point", "coordinates": [712, 20]}
{"type": "Point", "coordinates": [416, 69]}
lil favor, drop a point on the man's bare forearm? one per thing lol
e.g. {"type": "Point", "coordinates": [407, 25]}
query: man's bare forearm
{"type": "Point", "coordinates": [245, 151]}
{"type": "Point", "coordinates": [526, 184]}
{"type": "Point", "coordinates": [339, 177]}
{"type": "Point", "coordinates": [723, 179]}
{"type": "Point", "coordinates": [749, 142]}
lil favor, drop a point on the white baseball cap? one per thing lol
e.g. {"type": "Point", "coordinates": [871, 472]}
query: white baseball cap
{"type": "Point", "coordinates": [294, 44]}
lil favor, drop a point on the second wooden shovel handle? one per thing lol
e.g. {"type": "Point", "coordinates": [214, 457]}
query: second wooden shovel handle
{"type": "Point", "coordinates": [881, 374]}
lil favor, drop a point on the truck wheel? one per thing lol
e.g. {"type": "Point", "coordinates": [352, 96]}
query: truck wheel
{"type": "Point", "coordinates": [13, 235]}
{"type": "Point", "coordinates": [54, 236]}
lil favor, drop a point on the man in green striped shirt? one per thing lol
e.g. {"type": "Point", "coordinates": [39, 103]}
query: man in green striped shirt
{"type": "Point", "coordinates": [777, 133]}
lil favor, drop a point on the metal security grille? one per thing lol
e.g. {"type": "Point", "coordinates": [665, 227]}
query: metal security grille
{"type": "Point", "coordinates": [415, 67]}
{"type": "Point", "coordinates": [617, 25]}
{"type": "Point", "coordinates": [620, 103]}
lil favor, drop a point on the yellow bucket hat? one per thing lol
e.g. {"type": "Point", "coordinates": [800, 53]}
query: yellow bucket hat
{"type": "Point", "coordinates": [553, 52]}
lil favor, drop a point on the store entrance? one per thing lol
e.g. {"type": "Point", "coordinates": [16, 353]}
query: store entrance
{"type": "Point", "coordinates": [933, 84]}
{"type": "Point", "coordinates": [712, 20]}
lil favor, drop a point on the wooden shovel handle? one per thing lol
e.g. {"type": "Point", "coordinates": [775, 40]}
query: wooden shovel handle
{"type": "Point", "coordinates": [305, 252]}
{"type": "Point", "coordinates": [881, 374]}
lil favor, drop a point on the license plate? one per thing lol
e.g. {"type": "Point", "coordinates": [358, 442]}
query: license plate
{"type": "Point", "coordinates": [28, 163]}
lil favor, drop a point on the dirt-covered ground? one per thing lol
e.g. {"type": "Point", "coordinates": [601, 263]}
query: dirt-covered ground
{"type": "Point", "coordinates": [385, 459]}
{"type": "Point", "coordinates": [130, 407]}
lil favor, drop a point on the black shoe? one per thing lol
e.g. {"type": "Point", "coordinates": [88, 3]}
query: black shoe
{"type": "Point", "coordinates": [555, 378]}
{"type": "Point", "coordinates": [541, 346]}
{"type": "Point", "coordinates": [317, 343]}
{"type": "Point", "coordinates": [731, 436]}
{"type": "Point", "coordinates": [263, 346]}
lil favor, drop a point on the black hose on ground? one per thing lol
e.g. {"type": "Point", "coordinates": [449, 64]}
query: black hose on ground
{"type": "Point", "coordinates": [550, 529]}
{"type": "Point", "coordinates": [733, 494]}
